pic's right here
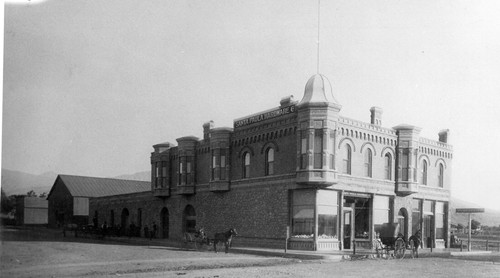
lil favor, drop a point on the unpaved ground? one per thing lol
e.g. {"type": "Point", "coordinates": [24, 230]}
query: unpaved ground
{"type": "Point", "coordinates": [42, 253]}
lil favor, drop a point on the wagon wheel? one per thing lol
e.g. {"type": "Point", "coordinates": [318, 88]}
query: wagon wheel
{"type": "Point", "coordinates": [399, 249]}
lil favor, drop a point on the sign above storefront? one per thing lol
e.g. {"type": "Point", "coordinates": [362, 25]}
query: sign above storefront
{"type": "Point", "coordinates": [265, 116]}
{"type": "Point", "coordinates": [470, 210]}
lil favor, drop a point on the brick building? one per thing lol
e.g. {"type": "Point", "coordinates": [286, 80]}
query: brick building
{"type": "Point", "coordinates": [299, 168]}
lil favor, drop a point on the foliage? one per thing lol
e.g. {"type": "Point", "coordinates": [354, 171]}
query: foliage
{"type": "Point", "coordinates": [7, 203]}
{"type": "Point", "coordinates": [475, 224]}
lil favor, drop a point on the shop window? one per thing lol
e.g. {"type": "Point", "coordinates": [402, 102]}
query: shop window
{"type": "Point", "coordinates": [318, 149]}
{"type": "Point", "coordinates": [362, 218]}
{"type": "Point", "coordinates": [440, 220]}
{"type": "Point", "coordinates": [388, 166]}
{"type": "Point", "coordinates": [415, 216]}
{"type": "Point", "coordinates": [346, 169]}
{"type": "Point", "coordinates": [327, 214]}
{"type": "Point", "coordinates": [423, 179]}
{"type": "Point", "coordinates": [380, 212]}
{"type": "Point", "coordinates": [189, 219]}
{"type": "Point", "coordinates": [246, 165]}
{"type": "Point", "coordinates": [441, 175]}
{"type": "Point", "coordinates": [269, 162]}
{"type": "Point", "coordinates": [368, 163]}
{"type": "Point", "coordinates": [303, 214]}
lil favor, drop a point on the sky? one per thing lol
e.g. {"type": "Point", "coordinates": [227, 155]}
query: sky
{"type": "Point", "coordinates": [90, 86]}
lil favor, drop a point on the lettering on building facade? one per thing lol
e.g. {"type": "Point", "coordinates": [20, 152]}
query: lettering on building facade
{"type": "Point", "coordinates": [265, 116]}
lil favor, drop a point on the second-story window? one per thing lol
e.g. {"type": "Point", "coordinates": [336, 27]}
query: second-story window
{"type": "Point", "coordinates": [368, 163]}
{"type": "Point", "coordinates": [246, 165]}
{"type": "Point", "coordinates": [332, 150]}
{"type": "Point", "coordinates": [388, 166]}
{"type": "Point", "coordinates": [441, 175]}
{"type": "Point", "coordinates": [163, 174]}
{"type": "Point", "coordinates": [181, 171]}
{"type": "Point", "coordinates": [423, 178]}
{"type": "Point", "coordinates": [269, 161]}
{"type": "Point", "coordinates": [346, 169]}
{"type": "Point", "coordinates": [157, 175]}
{"type": "Point", "coordinates": [219, 164]}
{"type": "Point", "coordinates": [318, 149]}
{"type": "Point", "coordinates": [303, 150]}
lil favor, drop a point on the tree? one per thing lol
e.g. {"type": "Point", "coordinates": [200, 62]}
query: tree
{"type": "Point", "coordinates": [475, 224]}
{"type": "Point", "coordinates": [32, 193]}
{"type": "Point", "coordinates": [460, 226]}
{"type": "Point", "coordinates": [7, 204]}
{"type": "Point", "coordinates": [43, 195]}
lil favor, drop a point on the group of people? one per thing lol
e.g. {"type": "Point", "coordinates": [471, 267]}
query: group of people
{"type": "Point", "coordinates": [151, 234]}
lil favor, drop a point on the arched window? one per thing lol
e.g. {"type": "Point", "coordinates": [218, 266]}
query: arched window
{"type": "Point", "coordinates": [423, 178]}
{"type": "Point", "coordinates": [246, 165]}
{"type": "Point", "coordinates": [368, 163]}
{"type": "Point", "coordinates": [270, 162]}
{"type": "Point", "coordinates": [346, 169]}
{"type": "Point", "coordinates": [441, 175]}
{"type": "Point", "coordinates": [388, 166]}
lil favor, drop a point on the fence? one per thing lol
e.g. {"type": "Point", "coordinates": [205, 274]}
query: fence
{"type": "Point", "coordinates": [482, 244]}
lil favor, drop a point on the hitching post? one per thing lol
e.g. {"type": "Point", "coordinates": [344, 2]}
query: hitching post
{"type": "Point", "coordinates": [470, 211]}
{"type": "Point", "coordinates": [287, 236]}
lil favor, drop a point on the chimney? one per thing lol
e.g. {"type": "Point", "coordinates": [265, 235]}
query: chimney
{"type": "Point", "coordinates": [376, 116]}
{"type": "Point", "coordinates": [206, 130]}
{"type": "Point", "coordinates": [444, 135]}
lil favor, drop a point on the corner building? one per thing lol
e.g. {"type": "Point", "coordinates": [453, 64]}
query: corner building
{"type": "Point", "coordinates": [302, 170]}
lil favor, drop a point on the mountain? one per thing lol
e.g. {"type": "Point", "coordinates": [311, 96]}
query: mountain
{"type": "Point", "coordinates": [16, 182]}
{"type": "Point", "coordinates": [488, 218]}
{"type": "Point", "coordinates": [139, 176]}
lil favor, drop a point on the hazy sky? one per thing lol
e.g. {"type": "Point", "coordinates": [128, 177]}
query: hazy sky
{"type": "Point", "coordinates": [90, 86]}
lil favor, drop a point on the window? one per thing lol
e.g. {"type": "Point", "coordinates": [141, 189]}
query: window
{"type": "Point", "coordinates": [181, 171]}
{"type": "Point", "coordinates": [303, 150]}
{"type": "Point", "coordinates": [368, 163]}
{"type": "Point", "coordinates": [303, 213]}
{"type": "Point", "coordinates": [415, 217]}
{"type": "Point", "coordinates": [215, 165]}
{"type": "Point", "coordinates": [223, 164]}
{"type": "Point", "coordinates": [246, 165]}
{"type": "Point", "coordinates": [440, 220]}
{"type": "Point", "coordinates": [332, 150]}
{"type": "Point", "coordinates": [441, 175]}
{"type": "Point", "coordinates": [164, 174]}
{"type": "Point", "coordinates": [269, 161]}
{"type": "Point", "coordinates": [318, 149]}
{"type": "Point", "coordinates": [157, 174]}
{"type": "Point", "coordinates": [327, 214]}
{"type": "Point", "coordinates": [380, 212]}
{"type": "Point", "coordinates": [347, 160]}
{"type": "Point", "coordinates": [388, 166]}
{"type": "Point", "coordinates": [423, 178]}
{"type": "Point", "coordinates": [361, 218]}
{"type": "Point", "coordinates": [189, 219]}
{"type": "Point", "coordinates": [404, 165]}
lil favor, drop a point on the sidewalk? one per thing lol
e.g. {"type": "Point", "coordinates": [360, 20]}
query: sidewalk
{"type": "Point", "coordinates": [337, 255]}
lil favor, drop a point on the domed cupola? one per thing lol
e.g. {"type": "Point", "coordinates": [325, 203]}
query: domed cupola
{"type": "Point", "coordinates": [318, 91]}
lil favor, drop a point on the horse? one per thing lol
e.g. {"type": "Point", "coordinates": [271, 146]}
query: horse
{"type": "Point", "coordinates": [197, 237]}
{"type": "Point", "coordinates": [226, 238]}
{"type": "Point", "coordinates": [415, 241]}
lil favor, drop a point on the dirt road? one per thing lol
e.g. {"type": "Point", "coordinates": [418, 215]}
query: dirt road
{"type": "Point", "coordinates": [32, 253]}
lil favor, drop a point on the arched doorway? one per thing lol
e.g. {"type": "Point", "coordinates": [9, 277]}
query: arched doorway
{"type": "Point", "coordinates": [403, 223]}
{"type": "Point", "coordinates": [189, 219]}
{"type": "Point", "coordinates": [124, 220]}
{"type": "Point", "coordinates": [164, 222]}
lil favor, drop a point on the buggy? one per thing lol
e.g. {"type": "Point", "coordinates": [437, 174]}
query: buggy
{"type": "Point", "coordinates": [388, 242]}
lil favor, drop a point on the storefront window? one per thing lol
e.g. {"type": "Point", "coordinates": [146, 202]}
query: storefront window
{"type": "Point", "coordinates": [327, 214]}
{"type": "Point", "coordinates": [381, 212]}
{"type": "Point", "coordinates": [439, 220]}
{"type": "Point", "coordinates": [415, 216]}
{"type": "Point", "coordinates": [362, 218]}
{"type": "Point", "coordinates": [303, 214]}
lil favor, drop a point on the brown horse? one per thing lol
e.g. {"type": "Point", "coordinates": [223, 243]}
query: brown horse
{"type": "Point", "coordinates": [415, 241]}
{"type": "Point", "coordinates": [226, 238]}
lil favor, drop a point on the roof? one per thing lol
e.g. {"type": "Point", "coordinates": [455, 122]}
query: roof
{"type": "Point", "coordinates": [318, 89]}
{"type": "Point", "coordinates": [80, 186]}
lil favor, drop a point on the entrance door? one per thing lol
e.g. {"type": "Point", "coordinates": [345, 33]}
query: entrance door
{"type": "Point", "coordinates": [164, 223]}
{"type": "Point", "coordinates": [347, 229]}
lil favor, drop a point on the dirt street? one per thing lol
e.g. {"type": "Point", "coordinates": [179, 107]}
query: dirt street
{"type": "Point", "coordinates": [45, 253]}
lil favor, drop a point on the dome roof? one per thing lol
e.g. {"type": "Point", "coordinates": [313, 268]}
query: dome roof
{"type": "Point", "coordinates": [318, 90]}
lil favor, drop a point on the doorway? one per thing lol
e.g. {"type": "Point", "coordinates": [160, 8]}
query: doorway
{"type": "Point", "coordinates": [348, 228]}
{"type": "Point", "coordinates": [165, 219]}
{"type": "Point", "coordinates": [403, 223]}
